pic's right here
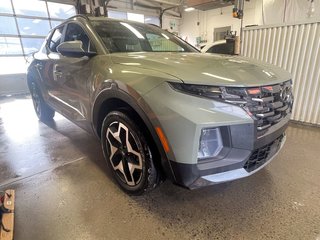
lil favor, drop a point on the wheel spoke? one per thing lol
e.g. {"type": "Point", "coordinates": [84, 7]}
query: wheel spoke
{"type": "Point", "coordinates": [119, 167]}
{"type": "Point", "coordinates": [114, 141]}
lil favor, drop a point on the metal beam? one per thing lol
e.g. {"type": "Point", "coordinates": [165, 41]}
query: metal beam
{"type": "Point", "coordinates": [72, 2]}
{"type": "Point", "coordinates": [170, 3]}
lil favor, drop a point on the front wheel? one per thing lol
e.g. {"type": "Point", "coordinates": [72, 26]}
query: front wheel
{"type": "Point", "coordinates": [43, 111]}
{"type": "Point", "coordinates": [128, 154]}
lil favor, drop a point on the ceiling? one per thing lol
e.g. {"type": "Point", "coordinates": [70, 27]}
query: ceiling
{"type": "Point", "coordinates": [73, 2]}
{"type": "Point", "coordinates": [197, 4]}
{"type": "Point", "coordinates": [202, 5]}
{"type": "Point", "coordinates": [205, 5]}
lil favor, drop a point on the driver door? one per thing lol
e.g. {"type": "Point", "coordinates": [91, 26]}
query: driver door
{"type": "Point", "coordinates": [71, 76]}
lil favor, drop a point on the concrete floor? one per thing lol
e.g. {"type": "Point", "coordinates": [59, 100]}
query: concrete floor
{"type": "Point", "coordinates": [65, 191]}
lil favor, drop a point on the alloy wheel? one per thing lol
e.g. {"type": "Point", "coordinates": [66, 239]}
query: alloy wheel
{"type": "Point", "coordinates": [124, 154]}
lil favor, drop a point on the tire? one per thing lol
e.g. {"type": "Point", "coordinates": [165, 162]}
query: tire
{"type": "Point", "coordinates": [125, 147]}
{"type": "Point", "coordinates": [43, 111]}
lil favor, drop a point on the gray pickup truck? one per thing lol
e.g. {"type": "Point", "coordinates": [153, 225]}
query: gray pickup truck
{"type": "Point", "coordinates": [161, 108]}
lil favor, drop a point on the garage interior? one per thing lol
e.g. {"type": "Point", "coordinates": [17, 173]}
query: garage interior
{"type": "Point", "coordinates": [64, 189]}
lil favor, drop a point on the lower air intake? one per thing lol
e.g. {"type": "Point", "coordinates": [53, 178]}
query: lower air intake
{"type": "Point", "coordinates": [261, 155]}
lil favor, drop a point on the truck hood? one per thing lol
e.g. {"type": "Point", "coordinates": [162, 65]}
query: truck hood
{"type": "Point", "coordinates": [206, 69]}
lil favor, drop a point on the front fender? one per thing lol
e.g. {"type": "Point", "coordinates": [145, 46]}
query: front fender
{"type": "Point", "coordinates": [116, 90]}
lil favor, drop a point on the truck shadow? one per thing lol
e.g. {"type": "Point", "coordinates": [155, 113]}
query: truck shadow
{"type": "Point", "coordinates": [205, 212]}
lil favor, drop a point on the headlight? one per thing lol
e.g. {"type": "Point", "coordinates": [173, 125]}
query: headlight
{"type": "Point", "coordinates": [199, 90]}
{"type": "Point", "coordinates": [233, 95]}
{"type": "Point", "coordinates": [210, 143]}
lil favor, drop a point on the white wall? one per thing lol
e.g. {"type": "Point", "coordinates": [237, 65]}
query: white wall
{"type": "Point", "coordinates": [127, 6]}
{"type": "Point", "coordinates": [169, 23]}
{"type": "Point", "coordinates": [217, 18]}
{"type": "Point", "coordinates": [172, 24]}
{"type": "Point", "coordinates": [292, 11]}
{"type": "Point", "coordinates": [256, 12]}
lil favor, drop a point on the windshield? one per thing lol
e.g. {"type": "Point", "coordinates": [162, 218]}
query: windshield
{"type": "Point", "coordinates": [135, 37]}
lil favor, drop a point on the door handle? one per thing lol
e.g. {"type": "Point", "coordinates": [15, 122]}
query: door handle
{"type": "Point", "coordinates": [39, 66]}
{"type": "Point", "coordinates": [57, 73]}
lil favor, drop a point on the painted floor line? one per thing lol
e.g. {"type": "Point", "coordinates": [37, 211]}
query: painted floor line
{"type": "Point", "coordinates": [5, 184]}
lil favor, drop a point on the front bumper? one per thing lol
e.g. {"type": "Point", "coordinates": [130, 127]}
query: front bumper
{"type": "Point", "coordinates": [195, 176]}
{"type": "Point", "coordinates": [237, 173]}
{"type": "Point", "coordinates": [182, 117]}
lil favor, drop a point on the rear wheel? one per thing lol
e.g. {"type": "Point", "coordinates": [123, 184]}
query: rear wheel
{"type": "Point", "coordinates": [43, 111]}
{"type": "Point", "coordinates": [128, 154]}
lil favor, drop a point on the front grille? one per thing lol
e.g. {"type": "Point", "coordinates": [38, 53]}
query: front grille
{"type": "Point", "coordinates": [262, 155]}
{"type": "Point", "coordinates": [267, 105]}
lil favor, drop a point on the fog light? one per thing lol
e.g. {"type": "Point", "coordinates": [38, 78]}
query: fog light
{"type": "Point", "coordinates": [210, 143]}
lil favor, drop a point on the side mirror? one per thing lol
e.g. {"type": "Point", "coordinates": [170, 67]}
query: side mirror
{"type": "Point", "coordinates": [73, 49]}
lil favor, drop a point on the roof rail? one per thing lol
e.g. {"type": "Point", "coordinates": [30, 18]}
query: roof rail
{"type": "Point", "coordinates": [79, 15]}
{"type": "Point", "coordinates": [155, 25]}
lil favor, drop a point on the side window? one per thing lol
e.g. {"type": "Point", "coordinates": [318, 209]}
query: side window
{"type": "Point", "coordinates": [55, 39]}
{"type": "Point", "coordinates": [225, 48]}
{"type": "Point", "coordinates": [75, 32]}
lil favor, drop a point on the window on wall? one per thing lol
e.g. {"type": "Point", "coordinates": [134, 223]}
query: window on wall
{"type": "Point", "coordinates": [117, 15]}
{"type": "Point", "coordinates": [58, 10]}
{"type": "Point", "coordinates": [33, 27]}
{"type": "Point", "coordinates": [134, 17]}
{"type": "Point", "coordinates": [6, 63]}
{"type": "Point", "coordinates": [34, 8]}
{"type": "Point", "coordinates": [24, 26]}
{"type": "Point", "coordinates": [152, 20]}
{"type": "Point", "coordinates": [10, 46]}
{"type": "Point", "coordinates": [8, 25]}
{"type": "Point", "coordinates": [31, 45]}
{"type": "Point", "coordinates": [5, 6]}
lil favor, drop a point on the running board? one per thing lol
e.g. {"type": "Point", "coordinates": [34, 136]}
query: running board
{"type": "Point", "coordinates": [6, 228]}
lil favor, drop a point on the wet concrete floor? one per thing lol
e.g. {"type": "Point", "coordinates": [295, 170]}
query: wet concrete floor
{"type": "Point", "coordinates": [65, 191]}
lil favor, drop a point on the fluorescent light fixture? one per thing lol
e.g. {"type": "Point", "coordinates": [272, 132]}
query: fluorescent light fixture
{"type": "Point", "coordinates": [132, 29]}
{"type": "Point", "coordinates": [189, 9]}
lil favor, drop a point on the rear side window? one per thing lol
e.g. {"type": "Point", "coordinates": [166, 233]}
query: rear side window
{"type": "Point", "coordinates": [55, 39]}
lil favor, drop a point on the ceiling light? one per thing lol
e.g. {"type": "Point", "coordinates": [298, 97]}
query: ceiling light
{"type": "Point", "coordinates": [189, 9]}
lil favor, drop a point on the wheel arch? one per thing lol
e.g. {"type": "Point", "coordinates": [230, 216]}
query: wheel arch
{"type": "Point", "coordinates": [34, 76]}
{"type": "Point", "coordinates": [31, 76]}
{"type": "Point", "coordinates": [116, 99]}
